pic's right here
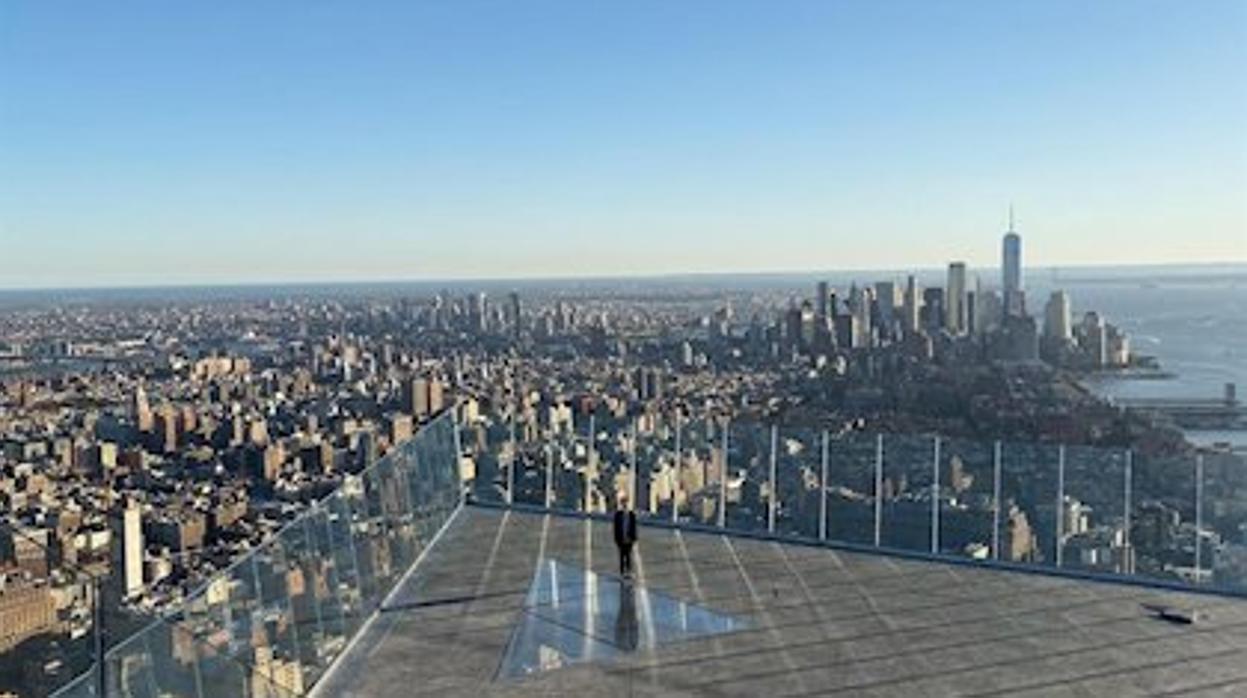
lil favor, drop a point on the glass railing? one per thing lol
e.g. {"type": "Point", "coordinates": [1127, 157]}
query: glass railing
{"type": "Point", "coordinates": [1175, 519]}
{"type": "Point", "coordinates": [271, 624]}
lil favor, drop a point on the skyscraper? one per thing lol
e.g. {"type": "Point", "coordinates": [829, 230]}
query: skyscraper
{"type": "Point", "coordinates": [1011, 270]}
{"type": "Point", "coordinates": [885, 297]}
{"type": "Point", "coordinates": [143, 418]}
{"type": "Point", "coordinates": [955, 319]}
{"type": "Point", "coordinates": [822, 303]}
{"type": "Point", "coordinates": [478, 311]}
{"type": "Point", "coordinates": [1057, 322]}
{"type": "Point", "coordinates": [913, 304]}
{"type": "Point", "coordinates": [859, 307]}
{"type": "Point", "coordinates": [932, 313]}
{"type": "Point", "coordinates": [132, 549]}
{"type": "Point", "coordinates": [513, 311]}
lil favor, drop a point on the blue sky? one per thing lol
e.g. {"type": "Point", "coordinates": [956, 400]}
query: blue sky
{"type": "Point", "coordinates": [157, 142]}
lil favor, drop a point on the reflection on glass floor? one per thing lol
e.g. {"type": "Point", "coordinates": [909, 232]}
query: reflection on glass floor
{"type": "Point", "coordinates": [573, 615]}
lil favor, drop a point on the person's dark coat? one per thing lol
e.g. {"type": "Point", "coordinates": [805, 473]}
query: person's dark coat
{"type": "Point", "coordinates": [625, 528]}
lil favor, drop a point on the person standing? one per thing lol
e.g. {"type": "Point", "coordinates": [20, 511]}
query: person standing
{"type": "Point", "coordinates": [625, 536]}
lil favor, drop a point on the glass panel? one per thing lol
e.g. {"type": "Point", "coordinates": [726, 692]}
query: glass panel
{"type": "Point", "coordinates": [350, 584]}
{"type": "Point", "coordinates": [749, 457]}
{"type": "Point", "coordinates": [307, 587]}
{"type": "Point", "coordinates": [321, 563]}
{"type": "Point", "coordinates": [371, 553]}
{"type": "Point", "coordinates": [657, 479]}
{"type": "Point", "coordinates": [799, 468]}
{"type": "Point", "coordinates": [908, 473]}
{"type": "Point", "coordinates": [608, 481]}
{"type": "Point", "coordinates": [566, 492]}
{"type": "Point", "coordinates": [1028, 493]}
{"type": "Point", "coordinates": [276, 636]}
{"type": "Point", "coordinates": [486, 440]}
{"type": "Point", "coordinates": [967, 491]}
{"type": "Point", "coordinates": [153, 663]}
{"type": "Point", "coordinates": [700, 443]}
{"type": "Point", "coordinates": [166, 660]}
{"type": "Point", "coordinates": [233, 611]}
{"type": "Point", "coordinates": [530, 464]}
{"type": "Point", "coordinates": [130, 669]}
{"type": "Point", "coordinates": [851, 489]}
{"type": "Point", "coordinates": [1094, 510]}
{"type": "Point", "coordinates": [1225, 519]}
{"type": "Point", "coordinates": [1162, 516]}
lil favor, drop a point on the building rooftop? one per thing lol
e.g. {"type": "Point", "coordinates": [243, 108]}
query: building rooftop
{"type": "Point", "coordinates": [494, 602]}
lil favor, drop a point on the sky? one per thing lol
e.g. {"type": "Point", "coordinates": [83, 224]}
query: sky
{"type": "Point", "coordinates": [240, 141]}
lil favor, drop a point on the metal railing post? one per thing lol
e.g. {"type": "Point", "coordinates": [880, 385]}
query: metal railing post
{"type": "Point", "coordinates": [935, 498]}
{"type": "Point", "coordinates": [1199, 517]}
{"type": "Point", "coordinates": [511, 464]}
{"type": "Point", "coordinates": [632, 482]}
{"type": "Point", "coordinates": [679, 462]}
{"type": "Point", "coordinates": [458, 447]}
{"type": "Point", "coordinates": [592, 455]}
{"type": "Point", "coordinates": [878, 489]}
{"type": "Point", "coordinates": [1128, 485]}
{"type": "Point", "coordinates": [774, 493]}
{"type": "Point", "coordinates": [996, 462]}
{"type": "Point", "coordinates": [549, 476]}
{"type": "Point", "coordinates": [723, 477]}
{"type": "Point", "coordinates": [822, 493]}
{"type": "Point", "coordinates": [97, 601]}
{"type": "Point", "coordinates": [1060, 506]}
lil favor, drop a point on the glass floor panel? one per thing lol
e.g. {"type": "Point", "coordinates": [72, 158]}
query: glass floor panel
{"type": "Point", "coordinates": [573, 615]}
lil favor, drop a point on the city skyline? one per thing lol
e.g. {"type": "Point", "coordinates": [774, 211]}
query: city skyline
{"type": "Point", "coordinates": [223, 145]}
{"type": "Point", "coordinates": [895, 340]}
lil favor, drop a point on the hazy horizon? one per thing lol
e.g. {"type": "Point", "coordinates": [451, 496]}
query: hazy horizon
{"type": "Point", "coordinates": [1209, 272]}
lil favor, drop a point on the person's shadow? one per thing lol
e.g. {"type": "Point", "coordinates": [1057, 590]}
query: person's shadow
{"type": "Point", "coordinates": [627, 630]}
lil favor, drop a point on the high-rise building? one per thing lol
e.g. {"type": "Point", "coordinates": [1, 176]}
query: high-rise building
{"type": "Point", "coordinates": [932, 313]}
{"type": "Point", "coordinates": [514, 313]}
{"type": "Point", "coordinates": [436, 396]}
{"type": "Point", "coordinates": [809, 326]}
{"type": "Point", "coordinates": [1057, 319]}
{"type": "Point", "coordinates": [955, 318]}
{"type": "Point", "coordinates": [143, 417]}
{"type": "Point", "coordinates": [478, 311]}
{"type": "Point", "coordinates": [913, 305]}
{"type": "Point", "coordinates": [167, 428]}
{"type": "Point", "coordinates": [1094, 339]}
{"type": "Point", "coordinates": [885, 297]}
{"type": "Point", "coordinates": [26, 610]}
{"type": "Point", "coordinates": [132, 549]}
{"type": "Point", "coordinates": [400, 428]}
{"type": "Point", "coordinates": [416, 397]}
{"type": "Point", "coordinates": [859, 308]}
{"type": "Point", "coordinates": [1011, 270]}
{"type": "Point", "coordinates": [988, 312]}
{"type": "Point", "coordinates": [822, 302]}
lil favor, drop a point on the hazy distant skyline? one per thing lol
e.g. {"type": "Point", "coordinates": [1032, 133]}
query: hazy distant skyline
{"type": "Point", "coordinates": [151, 143]}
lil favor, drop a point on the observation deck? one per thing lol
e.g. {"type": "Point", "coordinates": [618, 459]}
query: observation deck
{"type": "Point", "coordinates": [772, 561]}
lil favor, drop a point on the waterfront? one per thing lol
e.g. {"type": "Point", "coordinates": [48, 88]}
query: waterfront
{"type": "Point", "coordinates": [1197, 330]}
